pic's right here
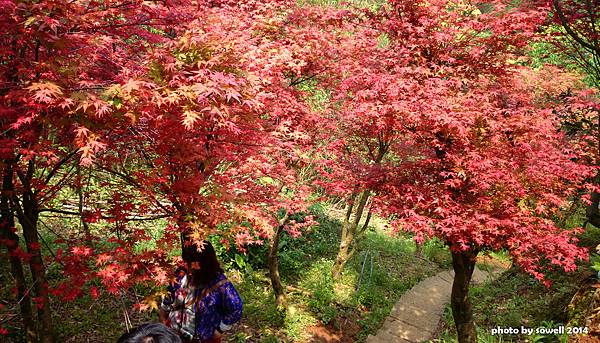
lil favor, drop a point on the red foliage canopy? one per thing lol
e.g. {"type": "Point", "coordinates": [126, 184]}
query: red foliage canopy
{"type": "Point", "coordinates": [435, 118]}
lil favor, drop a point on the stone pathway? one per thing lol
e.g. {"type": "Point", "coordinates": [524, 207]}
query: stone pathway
{"type": "Point", "coordinates": [417, 314]}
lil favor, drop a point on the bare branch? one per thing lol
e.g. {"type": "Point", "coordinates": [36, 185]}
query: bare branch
{"type": "Point", "coordinates": [58, 165]}
{"type": "Point", "coordinates": [564, 22]}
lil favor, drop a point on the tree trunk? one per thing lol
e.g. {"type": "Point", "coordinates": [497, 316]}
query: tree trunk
{"type": "Point", "coordinates": [593, 217]}
{"type": "Point", "coordinates": [463, 264]}
{"type": "Point", "coordinates": [349, 233]}
{"type": "Point", "coordinates": [592, 212]}
{"type": "Point", "coordinates": [273, 263]}
{"type": "Point", "coordinates": [84, 224]}
{"type": "Point", "coordinates": [7, 224]}
{"type": "Point", "coordinates": [28, 218]}
{"type": "Point", "coordinates": [418, 249]}
{"type": "Point", "coordinates": [342, 255]}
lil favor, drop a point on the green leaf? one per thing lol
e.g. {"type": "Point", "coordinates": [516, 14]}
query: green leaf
{"type": "Point", "coordinates": [239, 261]}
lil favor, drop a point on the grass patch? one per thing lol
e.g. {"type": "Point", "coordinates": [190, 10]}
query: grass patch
{"type": "Point", "coordinates": [435, 250]}
{"type": "Point", "coordinates": [96, 320]}
{"type": "Point", "coordinates": [316, 301]}
{"type": "Point", "coordinates": [369, 4]}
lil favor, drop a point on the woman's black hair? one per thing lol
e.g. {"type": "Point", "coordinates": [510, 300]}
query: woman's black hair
{"type": "Point", "coordinates": [150, 333]}
{"type": "Point", "coordinates": [206, 257]}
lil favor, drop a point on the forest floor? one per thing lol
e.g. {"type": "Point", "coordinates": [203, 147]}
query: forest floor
{"type": "Point", "coordinates": [345, 311]}
{"type": "Point", "coordinates": [416, 315]}
{"type": "Point", "coordinates": [319, 309]}
{"type": "Point", "coordinates": [516, 299]}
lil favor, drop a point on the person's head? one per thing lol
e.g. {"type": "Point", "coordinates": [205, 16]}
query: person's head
{"type": "Point", "coordinates": [201, 261]}
{"type": "Point", "coordinates": [150, 333]}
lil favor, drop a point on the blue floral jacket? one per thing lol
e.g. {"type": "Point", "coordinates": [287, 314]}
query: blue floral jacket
{"type": "Point", "coordinates": [220, 308]}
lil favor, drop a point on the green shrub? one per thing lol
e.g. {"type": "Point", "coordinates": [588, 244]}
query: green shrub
{"type": "Point", "coordinates": [436, 251]}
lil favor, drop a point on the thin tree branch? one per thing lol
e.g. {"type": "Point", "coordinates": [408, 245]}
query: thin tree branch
{"type": "Point", "coordinates": [135, 217]}
{"type": "Point", "coordinates": [57, 166]}
{"type": "Point", "coordinates": [570, 31]}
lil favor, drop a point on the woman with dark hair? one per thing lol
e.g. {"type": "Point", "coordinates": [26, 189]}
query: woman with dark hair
{"type": "Point", "coordinates": [201, 302]}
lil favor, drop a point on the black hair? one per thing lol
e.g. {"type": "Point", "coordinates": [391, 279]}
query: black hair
{"type": "Point", "coordinates": [150, 333]}
{"type": "Point", "coordinates": [206, 256]}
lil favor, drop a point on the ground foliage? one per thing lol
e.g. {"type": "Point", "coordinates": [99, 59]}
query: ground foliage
{"type": "Point", "coordinates": [321, 309]}
{"type": "Point", "coordinates": [516, 299]}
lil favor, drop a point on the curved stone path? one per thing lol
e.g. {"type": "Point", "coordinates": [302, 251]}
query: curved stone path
{"type": "Point", "coordinates": [415, 317]}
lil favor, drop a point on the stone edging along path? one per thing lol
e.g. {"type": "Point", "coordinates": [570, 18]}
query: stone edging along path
{"type": "Point", "coordinates": [415, 317]}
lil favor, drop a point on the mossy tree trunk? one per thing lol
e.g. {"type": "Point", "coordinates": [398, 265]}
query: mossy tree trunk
{"type": "Point", "coordinates": [419, 250]}
{"type": "Point", "coordinates": [350, 231]}
{"type": "Point", "coordinates": [273, 263]}
{"type": "Point", "coordinates": [354, 212]}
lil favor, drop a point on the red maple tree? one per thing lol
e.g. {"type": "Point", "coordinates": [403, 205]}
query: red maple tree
{"type": "Point", "coordinates": [57, 59]}
{"type": "Point", "coordinates": [438, 129]}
